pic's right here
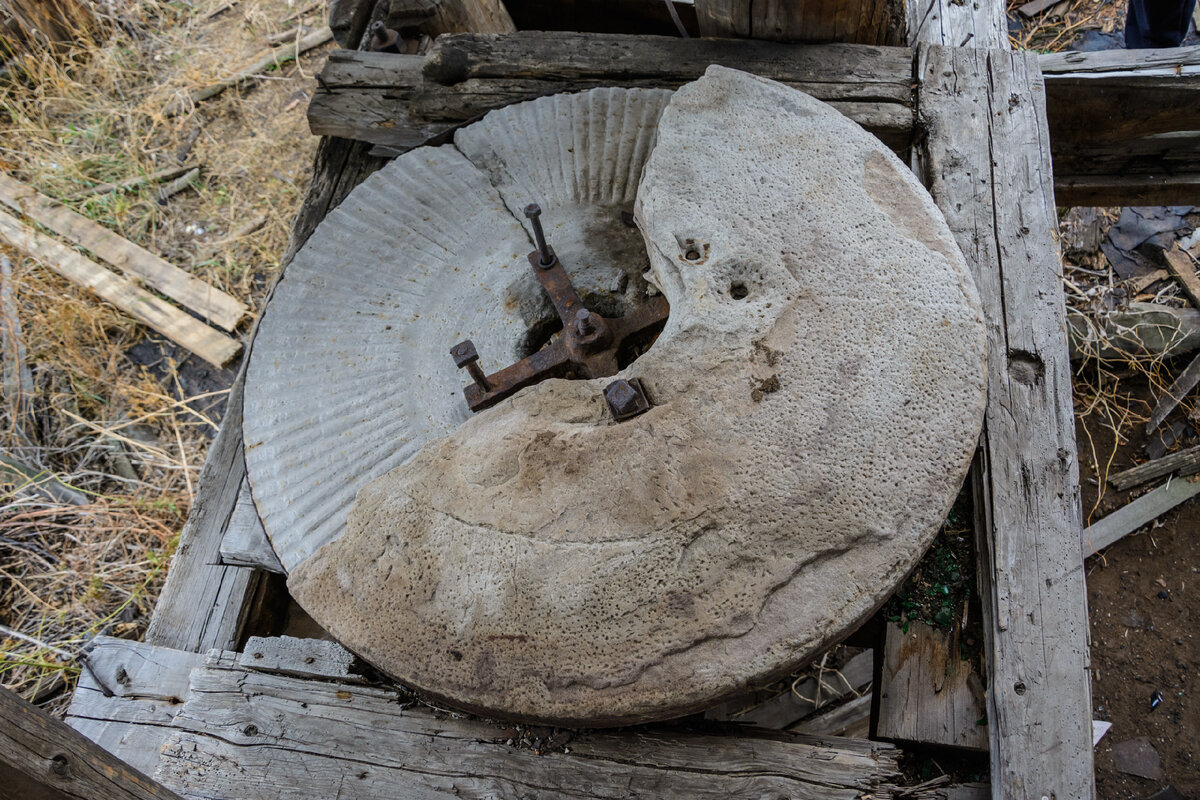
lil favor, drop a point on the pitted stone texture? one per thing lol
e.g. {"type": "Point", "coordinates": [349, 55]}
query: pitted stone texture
{"type": "Point", "coordinates": [351, 373]}
{"type": "Point", "coordinates": [818, 392]}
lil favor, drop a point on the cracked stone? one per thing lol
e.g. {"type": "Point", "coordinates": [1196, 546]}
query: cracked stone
{"type": "Point", "coordinates": [536, 562]}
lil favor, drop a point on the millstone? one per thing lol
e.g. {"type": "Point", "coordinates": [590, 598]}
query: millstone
{"type": "Point", "coordinates": [817, 394]}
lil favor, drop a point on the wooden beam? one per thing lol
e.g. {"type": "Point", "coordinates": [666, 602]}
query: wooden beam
{"type": "Point", "coordinates": [186, 331]}
{"type": "Point", "coordinates": [1124, 125]}
{"type": "Point", "coordinates": [403, 101]}
{"type": "Point", "coordinates": [211, 304]}
{"type": "Point", "coordinates": [986, 158]}
{"type": "Point", "coordinates": [954, 23]}
{"type": "Point", "coordinates": [253, 735]}
{"type": "Point", "coordinates": [1145, 154]}
{"type": "Point", "coordinates": [41, 758]}
{"type": "Point", "coordinates": [877, 22]}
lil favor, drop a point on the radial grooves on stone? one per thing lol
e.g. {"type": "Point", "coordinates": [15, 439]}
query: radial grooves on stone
{"type": "Point", "coordinates": [584, 148]}
{"type": "Point", "coordinates": [323, 414]}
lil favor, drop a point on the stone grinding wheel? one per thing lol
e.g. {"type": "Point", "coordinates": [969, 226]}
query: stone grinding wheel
{"type": "Point", "coordinates": [818, 391]}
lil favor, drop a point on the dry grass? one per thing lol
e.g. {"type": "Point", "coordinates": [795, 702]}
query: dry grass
{"type": "Point", "coordinates": [128, 437]}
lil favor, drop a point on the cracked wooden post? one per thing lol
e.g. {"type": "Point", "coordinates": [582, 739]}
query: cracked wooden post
{"type": "Point", "coordinates": [986, 160]}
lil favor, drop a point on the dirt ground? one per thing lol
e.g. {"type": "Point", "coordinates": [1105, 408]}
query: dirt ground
{"type": "Point", "coordinates": [1142, 600]}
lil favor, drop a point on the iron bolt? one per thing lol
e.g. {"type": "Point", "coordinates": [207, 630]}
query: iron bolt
{"type": "Point", "coordinates": [533, 211]}
{"type": "Point", "coordinates": [583, 322]}
{"type": "Point", "coordinates": [465, 355]}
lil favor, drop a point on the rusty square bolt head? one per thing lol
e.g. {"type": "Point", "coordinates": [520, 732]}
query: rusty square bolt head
{"type": "Point", "coordinates": [464, 353]}
{"type": "Point", "coordinates": [626, 399]}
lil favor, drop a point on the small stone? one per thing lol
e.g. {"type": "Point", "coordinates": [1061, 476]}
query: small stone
{"type": "Point", "coordinates": [1137, 757]}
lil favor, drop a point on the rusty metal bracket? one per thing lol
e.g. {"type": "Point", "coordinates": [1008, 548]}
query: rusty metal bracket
{"type": "Point", "coordinates": [588, 346]}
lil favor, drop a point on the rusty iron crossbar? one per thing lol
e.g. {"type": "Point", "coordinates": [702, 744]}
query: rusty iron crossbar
{"type": "Point", "coordinates": [588, 347]}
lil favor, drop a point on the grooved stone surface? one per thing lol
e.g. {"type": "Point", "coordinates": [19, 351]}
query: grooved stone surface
{"type": "Point", "coordinates": [351, 371]}
{"type": "Point", "coordinates": [818, 392]}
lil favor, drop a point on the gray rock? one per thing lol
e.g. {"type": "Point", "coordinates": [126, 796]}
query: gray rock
{"type": "Point", "coordinates": [1137, 757]}
{"type": "Point", "coordinates": [818, 392]}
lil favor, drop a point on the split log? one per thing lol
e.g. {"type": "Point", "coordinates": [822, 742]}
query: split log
{"type": "Point", "coordinates": [403, 101]}
{"type": "Point", "coordinates": [271, 736]}
{"type": "Point", "coordinates": [879, 22]}
{"type": "Point", "coordinates": [211, 304]}
{"type": "Point", "coordinates": [186, 331]}
{"type": "Point", "coordinates": [41, 758]}
{"type": "Point", "coordinates": [1183, 463]}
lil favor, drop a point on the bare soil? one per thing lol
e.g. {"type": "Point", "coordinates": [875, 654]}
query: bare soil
{"type": "Point", "coordinates": [1142, 597]}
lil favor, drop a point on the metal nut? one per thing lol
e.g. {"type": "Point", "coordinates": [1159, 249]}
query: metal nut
{"type": "Point", "coordinates": [626, 399]}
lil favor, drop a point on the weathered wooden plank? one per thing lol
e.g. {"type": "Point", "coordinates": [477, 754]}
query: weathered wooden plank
{"type": "Point", "coordinates": [1183, 268]}
{"type": "Point", "coordinates": [210, 303]}
{"type": "Point", "coordinates": [879, 22]}
{"type": "Point", "coordinates": [203, 603]}
{"type": "Point", "coordinates": [927, 693]}
{"type": "Point", "coordinates": [42, 758]}
{"type": "Point", "coordinates": [189, 332]}
{"type": "Point", "coordinates": [986, 158]}
{"type": "Point", "coordinates": [401, 101]}
{"type": "Point", "coordinates": [852, 718]}
{"type": "Point", "coordinates": [1183, 463]}
{"type": "Point", "coordinates": [300, 658]}
{"type": "Point", "coordinates": [278, 737]}
{"type": "Point", "coordinates": [1141, 511]}
{"type": "Point", "coordinates": [245, 542]}
{"type": "Point", "coordinates": [147, 686]}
